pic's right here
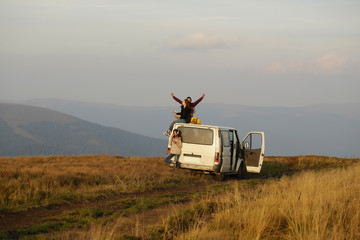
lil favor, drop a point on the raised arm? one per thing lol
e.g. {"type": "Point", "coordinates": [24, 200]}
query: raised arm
{"type": "Point", "coordinates": [175, 98]}
{"type": "Point", "coordinates": [199, 100]}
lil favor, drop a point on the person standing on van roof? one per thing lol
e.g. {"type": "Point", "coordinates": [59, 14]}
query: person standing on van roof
{"type": "Point", "coordinates": [185, 116]}
{"type": "Point", "coordinates": [175, 145]}
{"type": "Point", "coordinates": [193, 104]}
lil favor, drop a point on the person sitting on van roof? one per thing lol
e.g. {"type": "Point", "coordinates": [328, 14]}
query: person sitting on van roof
{"type": "Point", "coordinates": [185, 116]}
{"type": "Point", "coordinates": [193, 104]}
{"type": "Point", "coordinates": [175, 145]}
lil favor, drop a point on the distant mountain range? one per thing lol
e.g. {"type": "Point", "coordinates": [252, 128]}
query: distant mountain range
{"type": "Point", "coordinates": [29, 130]}
{"type": "Point", "coordinates": [331, 130]}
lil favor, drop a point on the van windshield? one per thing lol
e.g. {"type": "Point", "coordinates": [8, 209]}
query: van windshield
{"type": "Point", "coordinates": [196, 135]}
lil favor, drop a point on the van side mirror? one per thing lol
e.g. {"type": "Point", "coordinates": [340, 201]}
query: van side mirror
{"type": "Point", "coordinates": [247, 145]}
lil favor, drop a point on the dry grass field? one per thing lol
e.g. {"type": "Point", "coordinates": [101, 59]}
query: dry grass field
{"type": "Point", "coordinates": [39, 181]}
{"type": "Point", "coordinates": [111, 197]}
{"type": "Point", "coordinates": [311, 205]}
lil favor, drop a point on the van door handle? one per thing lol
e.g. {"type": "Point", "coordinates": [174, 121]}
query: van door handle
{"type": "Point", "coordinates": [192, 155]}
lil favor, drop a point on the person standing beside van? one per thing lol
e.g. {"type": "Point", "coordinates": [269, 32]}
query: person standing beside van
{"type": "Point", "coordinates": [185, 116]}
{"type": "Point", "coordinates": [175, 147]}
{"type": "Point", "coordinates": [193, 104]}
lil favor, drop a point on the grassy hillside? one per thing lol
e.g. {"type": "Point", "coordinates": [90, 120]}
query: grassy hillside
{"type": "Point", "coordinates": [109, 197]}
{"type": "Point", "coordinates": [26, 130]}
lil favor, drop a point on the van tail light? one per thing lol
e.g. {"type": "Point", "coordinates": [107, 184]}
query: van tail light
{"type": "Point", "coordinates": [168, 151]}
{"type": "Point", "coordinates": [217, 158]}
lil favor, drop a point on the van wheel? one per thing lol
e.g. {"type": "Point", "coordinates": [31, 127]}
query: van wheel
{"type": "Point", "coordinates": [242, 171]}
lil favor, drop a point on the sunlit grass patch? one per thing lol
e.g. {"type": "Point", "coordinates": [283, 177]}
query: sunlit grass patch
{"type": "Point", "coordinates": [310, 205]}
{"type": "Point", "coordinates": [185, 219]}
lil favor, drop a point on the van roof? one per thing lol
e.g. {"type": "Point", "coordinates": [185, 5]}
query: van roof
{"type": "Point", "coordinates": [202, 126]}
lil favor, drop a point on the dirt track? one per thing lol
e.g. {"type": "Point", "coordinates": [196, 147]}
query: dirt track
{"type": "Point", "coordinates": [14, 221]}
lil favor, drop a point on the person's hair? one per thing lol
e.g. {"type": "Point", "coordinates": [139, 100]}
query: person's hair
{"type": "Point", "coordinates": [190, 99]}
{"type": "Point", "coordinates": [188, 105]}
{"type": "Point", "coordinates": [178, 133]}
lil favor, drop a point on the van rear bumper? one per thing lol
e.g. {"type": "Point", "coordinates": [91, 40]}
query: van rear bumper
{"type": "Point", "coordinates": [198, 167]}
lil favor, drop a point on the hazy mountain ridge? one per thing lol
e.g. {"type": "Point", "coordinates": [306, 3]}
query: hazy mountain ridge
{"type": "Point", "coordinates": [326, 129]}
{"type": "Point", "coordinates": [28, 130]}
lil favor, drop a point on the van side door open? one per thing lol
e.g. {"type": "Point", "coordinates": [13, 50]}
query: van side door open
{"type": "Point", "coordinates": [253, 147]}
{"type": "Point", "coordinates": [226, 150]}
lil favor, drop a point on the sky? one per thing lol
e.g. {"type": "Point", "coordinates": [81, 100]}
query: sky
{"type": "Point", "coordinates": [135, 53]}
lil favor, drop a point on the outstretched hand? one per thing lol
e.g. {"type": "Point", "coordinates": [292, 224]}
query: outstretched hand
{"type": "Point", "coordinates": [203, 95]}
{"type": "Point", "coordinates": [172, 94]}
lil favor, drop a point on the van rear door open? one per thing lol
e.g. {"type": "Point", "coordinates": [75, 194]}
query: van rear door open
{"type": "Point", "coordinates": [253, 147]}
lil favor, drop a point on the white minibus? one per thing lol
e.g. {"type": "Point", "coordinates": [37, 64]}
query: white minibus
{"type": "Point", "coordinates": [218, 150]}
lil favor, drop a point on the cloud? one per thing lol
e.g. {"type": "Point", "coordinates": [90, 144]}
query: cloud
{"type": "Point", "coordinates": [329, 63]}
{"type": "Point", "coordinates": [197, 41]}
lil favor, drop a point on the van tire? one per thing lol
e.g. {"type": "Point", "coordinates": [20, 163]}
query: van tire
{"type": "Point", "coordinates": [220, 177]}
{"type": "Point", "coordinates": [241, 174]}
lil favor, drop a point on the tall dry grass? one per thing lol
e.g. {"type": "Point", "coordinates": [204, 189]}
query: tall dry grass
{"type": "Point", "coordinates": [311, 205]}
{"type": "Point", "coordinates": [33, 181]}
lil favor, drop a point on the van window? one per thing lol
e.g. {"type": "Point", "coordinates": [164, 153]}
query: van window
{"type": "Point", "coordinates": [225, 138]}
{"type": "Point", "coordinates": [197, 135]}
{"type": "Point", "coordinates": [254, 141]}
{"type": "Point", "coordinates": [231, 136]}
